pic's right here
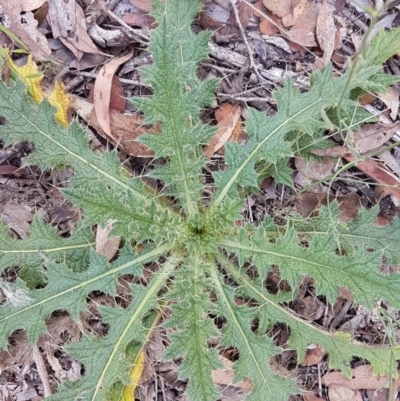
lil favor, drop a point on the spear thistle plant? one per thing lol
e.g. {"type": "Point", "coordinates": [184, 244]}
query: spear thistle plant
{"type": "Point", "coordinates": [203, 256]}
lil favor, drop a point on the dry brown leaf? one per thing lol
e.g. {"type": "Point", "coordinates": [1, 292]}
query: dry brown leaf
{"type": "Point", "coordinates": [379, 173]}
{"type": "Point", "coordinates": [266, 26]}
{"type": "Point", "coordinates": [311, 308]}
{"type": "Point", "coordinates": [102, 92]}
{"type": "Point", "coordinates": [314, 170]}
{"type": "Point", "coordinates": [391, 99]}
{"type": "Point", "coordinates": [25, 26]}
{"type": "Point", "coordinates": [311, 397]}
{"type": "Point", "coordinates": [126, 128]}
{"type": "Point", "coordinates": [17, 217]}
{"type": "Point", "coordinates": [336, 151]}
{"type": "Point", "coordinates": [41, 13]}
{"type": "Point", "coordinates": [326, 32]}
{"type": "Point", "coordinates": [139, 18]}
{"type": "Point", "coordinates": [308, 203]}
{"type": "Point", "coordinates": [380, 192]}
{"type": "Point", "coordinates": [366, 99]}
{"type": "Point", "coordinates": [362, 378]}
{"type": "Point", "coordinates": [68, 24]}
{"type": "Point", "coordinates": [30, 5]}
{"type": "Point", "coordinates": [244, 14]}
{"type": "Point", "coordinates": [278, 7]}
{"type": "Point", "coordinates": [372, 136]}
{"type": "Point", "coordinates": [298, 9]}
{"type": "Point", "coordinates": [117, 100]}
{"type": "Point", "coordinates": [143, 5]}
{"type": "Point", "coordinates": [214, 16]}
{"type": "Point", "coordinates": [340, 393]}
{"type": "Point", "coordinates": [303, 32]}
{"type": "Point", "coordinates": [226, 128]}
{"type": "Point", "coordinates": [225, 376]}
{"type": "Point", "coordinates": [314, 355]}
{"type": "Point", "coordinates": [107, 246]}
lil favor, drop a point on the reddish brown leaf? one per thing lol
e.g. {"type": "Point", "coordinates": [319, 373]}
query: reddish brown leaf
{"type": "Point", "coordinates": [366, 99]}
{"type": "Point", "coordinates": [226, 128]}
{"type": "Point", "coordinates": [117, 101]}
{"type": "Point", "coordinates": [363, 378]}
{"type": "Point", "coordinates": [303, 32]}
{"type": "Point", "coordinates": [308, 203]}
{"type": "Point", "coordinates": [10, 170]}
{"type": "Point", "coordinates": [313, 356]}
{"type": "Point", "coordinates": [139, 19]}
{"type": "Point", "coordinates": [143, 5]}
{"type": "Point", "coordinates": [341, 393]}
{"type": "Point", "coordinates": [311, 397]}
{"type": "Point", "coordinates": [102, 92]}
{"type": "Point", "coordinates": [278, 7]}
{"type": "Point", "coordinates": [125, 128]}
{"type": "Point", "coordinates": [378, 172]}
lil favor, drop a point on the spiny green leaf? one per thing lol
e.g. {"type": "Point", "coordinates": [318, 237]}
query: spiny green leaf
{"type": "Point", "coordinates": [109, 352]}
{"type": "Point", "coordinates": [178, 98]}
{"type": "Point", "coordinates": [320, 261]}
{"type": "Point", "coordinates": [67, 290]}
{"type": "Point", "coordinates": [43, 243]}
{"type": "Point", "coordinates": [360, 233]}
{"type": "Point", "coordinates": [341, 349]}
{"type": "Point", "coordinates": [255, 351]}
{"type": "Point", "coordinates": [193, 331]}
{"type": "Point", "coordinates": [95, 175]}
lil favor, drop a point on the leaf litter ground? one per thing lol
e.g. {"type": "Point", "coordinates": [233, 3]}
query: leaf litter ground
{"type": "Point", "coordinates": [22, 192]}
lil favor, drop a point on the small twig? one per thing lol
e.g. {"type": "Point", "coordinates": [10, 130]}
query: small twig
{"type": "Point", "coordinates": [247, 99]}
{"type": "Point", "coordinates": [319, 380]}
{"type": "Point", "coordinates": [122, 80]}
{"type": "Point", "coordinates": [41, 368]}
{"type": "Point", "coordinates": [336, 321]}
{"type": "Point", "coordinates": [130, 30]}
{"type": "Point", "coordinates": [243, 33]}
{"type": "Point", "coordinates": [217, 68]}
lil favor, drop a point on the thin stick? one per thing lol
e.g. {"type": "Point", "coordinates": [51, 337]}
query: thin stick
{"type": "Point", "coordinates": [243, 33]}
{"type": "Point", "coordinates": [41, 368]}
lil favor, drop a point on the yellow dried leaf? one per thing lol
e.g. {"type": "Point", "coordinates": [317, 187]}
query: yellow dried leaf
{"type": "Point", "coordinates": [30, 76]}
{"type": "Point", "coordinates": [136, 374]}
{"type": "Point", "coordinates": [59, 99]}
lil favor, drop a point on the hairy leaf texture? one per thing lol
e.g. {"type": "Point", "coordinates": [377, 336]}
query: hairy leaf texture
{"type": "Point", "coordinates": [43, 244]}
{"type": "Point", "coordinates": [178, 98]}
{"type": "Point", "coordinates": [320, 261]}
{"type": "Point", "coordinates": [360, 233]}
{"type": "Point", "coordinates": [341, 348]}
{"type": "Point", "coordinates": [67, 290]}
{"type": "Point", "coordinates": [99, 185]}
{"type": "Point", "coordinates": [104, 357]}
{"type": "Point", "coordinates": [190, 251]}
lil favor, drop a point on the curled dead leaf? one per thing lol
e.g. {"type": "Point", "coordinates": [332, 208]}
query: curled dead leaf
{"type": "Point", "coordinates": [229, 122]}
{"type": "Point", "coordinates": [126, 128]}
{"type": "Point", "coordinates": [102, 92]}
{"type": "Point", "coordinates": [325, 31]}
